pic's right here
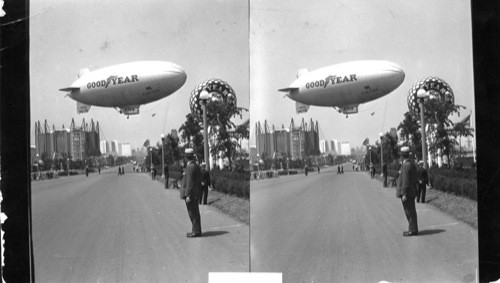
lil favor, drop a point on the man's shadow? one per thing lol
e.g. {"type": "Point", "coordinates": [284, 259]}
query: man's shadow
{"type": "Point", "coordinates": [214, 233]}
{"type": "Point", "coordinates": [430, 232]}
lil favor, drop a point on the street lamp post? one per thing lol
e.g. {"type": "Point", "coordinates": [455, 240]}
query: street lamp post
{"type": "Point", "coordinates": [205, 96]}
{"type": "Point", "coordinates": [422, 95]}
{"type": "Point", "coordinates": [151, 152]}
{"type": "Point", "coordinates": [381, 152]}
{"type": "Point", "coordinates": [162, 156]}
{"type": "Point", "coordinates": [370, 149]}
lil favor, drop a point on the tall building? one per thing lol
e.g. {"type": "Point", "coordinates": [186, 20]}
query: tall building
{"type": "Point", "coordinates": [104, 146]}
{"type": "Point", "coordinates": [114, 147]}
{"type": "Point", "coordinates": [324, 146]}
{"type": "Point", "coordinates": [78, 143]}
{"type": "Point", "coordinates": [62, 141]}
{"type": "Point", "coordinates": [263, 140]}
{"type": "Point", "coordinates": [334, 146]}
{"type": "Point", "coordinates": [295, 142]}
{"type": "Point", "coordinates": [126, 149]}
{"type": "Point", "coordinates": [345, 148]}
{"type": "Point", "coordinates": [44, 140]}
{"type": "Point", "coordinates": [281, 141]}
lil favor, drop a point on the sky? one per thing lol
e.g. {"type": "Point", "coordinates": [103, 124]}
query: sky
{"type": "Point", "coordinates": [426, 38]}
{"type": "Point", "coordinates": [255, 46]}
{"type": "Point", "coordinates": [209, 39]}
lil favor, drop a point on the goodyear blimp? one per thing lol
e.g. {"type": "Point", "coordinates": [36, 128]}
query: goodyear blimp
{"type": "Point", "coordinates": [126, 87]}
{"type": "Point", "coordinates": [344, 86]}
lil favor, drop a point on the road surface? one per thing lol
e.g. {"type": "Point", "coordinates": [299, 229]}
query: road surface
{"type": "Point", "coordinates": [110, 228]}
{"type": "Point", "coordinates": [347, 228]}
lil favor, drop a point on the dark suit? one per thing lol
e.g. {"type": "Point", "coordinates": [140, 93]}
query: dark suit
{"type": "Point", "coordinates": [205, 183]}
{"type": "Point", "coordinates": [407, 186]}
{"type": "Point", "coordinates": [191, 187]}
{"type": "Point", "coordinates": [423, 179]}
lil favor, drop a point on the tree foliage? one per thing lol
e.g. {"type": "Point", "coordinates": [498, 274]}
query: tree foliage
{"type": "Point", "coordinates": [409, 132]}
{"type": "Point", "coordinates": [225, 132]}
{"type": "Point", "coordinates": [191, 134]}
{"type": "Point", "coordinates": [437, 114]}
{"type": "Point", "coordinates": [390, 148]}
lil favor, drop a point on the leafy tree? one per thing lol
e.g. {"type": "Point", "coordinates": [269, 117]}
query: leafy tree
{"type": "Point", "coordinates": [437, 114]}
{"type": "Point", "coordinates": [223, 130]}
{"type": "Point", "coordinates": [172, 153]}
{"type": "Point", "coordinates": [242, 131]}
{"type": "Point", "coordinates": [329, 159]}
{"type": "Point", "coordinates": [191, 134]}
{"type": "Point", "coordinates": [110, 160]}
{"type": "Point", "coordinates": [410, 133]}
{"type": "Point", "coordinates": [390, 147]}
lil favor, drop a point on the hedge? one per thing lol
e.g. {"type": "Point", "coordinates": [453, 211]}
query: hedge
{"type": "Point", "coordinates": [470, 174]}
{"type": "Point", "coordinates": [230, 182]}
{"type": "Point", "coordinates": [458, 186]}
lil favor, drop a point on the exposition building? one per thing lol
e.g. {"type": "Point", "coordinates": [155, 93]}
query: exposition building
{"type": "Point", "coordinates": [74, 142]}
{"type": "Point", "coordinates": [295, 142]}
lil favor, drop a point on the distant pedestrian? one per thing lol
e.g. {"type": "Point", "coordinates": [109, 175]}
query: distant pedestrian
{"type": "Point", "coordinates": [384, 172]}
{"type": "Point", "coordinates": [153, 172]}
{"type": "Point", "coordinates": [372, 170]}
{"type": "Point", "coordinates": [318, 169]}
{"type": "Point", "coordinates": [123, 170]}
{"type": "Point", "coordinates": [341, 169]}
{"type": "Point", "coordinates": [190, 192]}
{"type": "Point", "coordinates": [86, 171]}
{"type": "Point", "coordinates": [407, 190]}
{"type": "Point", "coordinates": [166, 174]}
{"type": "Point", "coordinates": [205, 183]}
{"type": "Point", "coordinates": [306, 169]}
{"type": "Point", "coordinates": [338, 169]}
{"type": "Point", "coordinates": [119, 170]}
{"type": "Point", "coordinates": [99, 168]}
{"type": "Point", "coordinates": [423, 180]}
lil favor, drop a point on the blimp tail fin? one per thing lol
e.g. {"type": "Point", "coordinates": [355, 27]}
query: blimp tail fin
{"type": "Point", "coordinates": [82, 107]}
{"type": "Point", "coordinates": [69, 89]}
{"type": "Point", "coordinates": [301, 107]}
{"type": "Point", "coordinates": [302, 72]}
{"type": "Point", "coordinates": [288, 89]}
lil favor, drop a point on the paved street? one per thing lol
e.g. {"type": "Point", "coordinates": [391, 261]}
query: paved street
{"type": "Point", "coordinates": [110, 228]}
{"type": "Point", "coordinates": [347, 228]}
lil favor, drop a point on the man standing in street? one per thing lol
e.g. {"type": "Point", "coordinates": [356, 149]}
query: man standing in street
{"type": "Point", "coordinates": [423, 179]}
{"type": "Point", "coordinates": [407, 189]}
{"type": "Point", "coordinates": [205, 183]}
{"type": "Point", "coordinates": [190, 192]}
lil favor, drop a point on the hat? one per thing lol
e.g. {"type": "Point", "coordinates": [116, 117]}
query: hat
{"type": "Point", "coordinates": [188, 152]}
